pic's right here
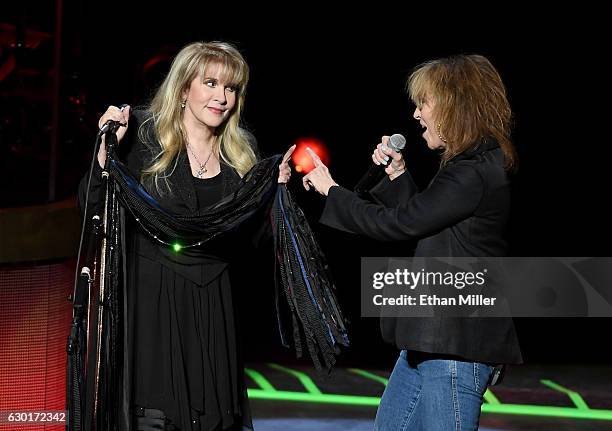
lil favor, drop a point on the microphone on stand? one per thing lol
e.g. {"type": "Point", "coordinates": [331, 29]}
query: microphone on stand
{"type": "Point", "coordinates": [112, 124]}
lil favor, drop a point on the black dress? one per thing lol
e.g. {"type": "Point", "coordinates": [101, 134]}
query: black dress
{"type": "Point", "coordinates": [185, 353]}
{"type": "Point", "coordinates": [183, 349]}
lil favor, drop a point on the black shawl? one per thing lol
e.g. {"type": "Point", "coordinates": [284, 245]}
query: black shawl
{"type": "Point", "coordinates": [98, 372]}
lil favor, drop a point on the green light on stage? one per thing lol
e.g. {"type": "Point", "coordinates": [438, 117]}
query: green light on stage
{"type": "Point", "coordinates": [493, 405]}
{"type": "Point", "coordinates": [176, 247]}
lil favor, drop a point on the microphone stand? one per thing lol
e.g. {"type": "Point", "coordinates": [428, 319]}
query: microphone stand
{"type": "Point", "coordinates": [90, 317]}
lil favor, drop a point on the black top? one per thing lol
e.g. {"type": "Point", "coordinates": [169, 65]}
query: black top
{"type": "Point", "coordinates": [463, 212]}
{"type": "Point", "coordinates": [184, 353]}
{"type": "Point", "coordinates": [208, 190]}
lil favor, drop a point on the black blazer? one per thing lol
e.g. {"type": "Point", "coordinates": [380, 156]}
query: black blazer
{"type": "Point", "coordinates": [463, 212]}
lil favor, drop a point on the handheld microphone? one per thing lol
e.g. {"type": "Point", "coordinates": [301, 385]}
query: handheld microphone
{"type": "Point", "coordinates": [375, 173]}
{"type": "Point", "coordinates": [396, 142]}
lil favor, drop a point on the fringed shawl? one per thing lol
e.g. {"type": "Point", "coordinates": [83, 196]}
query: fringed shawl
{"type": "Point", "coordinates": [304, 290]}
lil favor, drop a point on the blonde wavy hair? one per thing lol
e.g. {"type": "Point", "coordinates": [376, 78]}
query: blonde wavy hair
{"type": "Point", "coordinates": [232, 144]}
{"type": "Point", "coordinates": [469, 103]}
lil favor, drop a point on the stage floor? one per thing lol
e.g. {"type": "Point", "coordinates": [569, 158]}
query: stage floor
{"type": "Point", "coordinates": [531, 398]}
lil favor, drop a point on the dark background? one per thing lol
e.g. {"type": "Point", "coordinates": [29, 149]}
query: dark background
{"type": "Point", "coordinates": [338, 77]}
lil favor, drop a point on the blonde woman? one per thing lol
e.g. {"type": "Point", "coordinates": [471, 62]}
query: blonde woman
{"type": "Point", "coordinates": [189, 151]}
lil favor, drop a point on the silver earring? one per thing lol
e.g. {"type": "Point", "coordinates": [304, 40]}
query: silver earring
{"type": "Point", "coordinates": [183, 104]}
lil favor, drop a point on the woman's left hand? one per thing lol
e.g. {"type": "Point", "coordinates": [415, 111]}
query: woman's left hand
{"type": "Point", "coordinates": [319, 177]}
{"type": "Point", "coordinates": [284, 173]}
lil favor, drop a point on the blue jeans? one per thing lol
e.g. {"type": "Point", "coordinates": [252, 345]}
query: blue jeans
{"type": "Point", "coordinates": [431, 394]}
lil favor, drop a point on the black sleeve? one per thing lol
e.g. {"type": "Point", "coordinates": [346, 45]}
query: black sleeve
{"type": "Point", "coordinates": [392, 193]}
{"type": "Point", "coordinates": [452, 196]}
{"type": "Point", "coordinates": [132, 151]}
{"type": "Point", "coordinates": [93, 204]}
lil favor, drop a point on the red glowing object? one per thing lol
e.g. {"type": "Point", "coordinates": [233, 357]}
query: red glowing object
{"type": "Point", "coordinates": [302, 160]}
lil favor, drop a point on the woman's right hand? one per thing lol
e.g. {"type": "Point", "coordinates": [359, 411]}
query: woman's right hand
{"type": "Point", "coordinates": [382, 154]}
{"type": "Point", "coordinates": [116, 114]}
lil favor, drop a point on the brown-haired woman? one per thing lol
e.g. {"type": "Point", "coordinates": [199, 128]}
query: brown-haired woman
{"type": "Point", "coordinates": [445, 363]}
